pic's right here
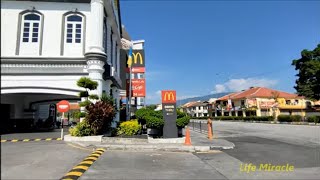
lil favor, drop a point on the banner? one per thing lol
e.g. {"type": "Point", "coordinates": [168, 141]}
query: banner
{"type": "Point", "coordinates": [169, 111]}
{"type": "Point", "coordinates": [138, 87]}
{"type": "Point", "coordinates": [138, 62]}
{"type": "Point", "coordinates": [267, 103]}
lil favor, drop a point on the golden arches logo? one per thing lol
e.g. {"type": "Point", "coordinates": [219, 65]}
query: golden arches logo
{"type": "Point", "coordinates": [135, 58]}
{"type": "Point", "coordinates": [169, 96]}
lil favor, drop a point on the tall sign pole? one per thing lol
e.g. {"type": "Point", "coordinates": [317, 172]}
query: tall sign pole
{"type": "Point", "coordinates": [169, 111]}
{"type": "Point", "coordinates": [130, 88]}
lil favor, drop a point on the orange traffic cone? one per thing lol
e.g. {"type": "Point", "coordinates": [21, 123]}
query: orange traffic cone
{"type": "Point", "coordinates": [188, 139]}
{"type": "Point", "coordinates": [209, 132]}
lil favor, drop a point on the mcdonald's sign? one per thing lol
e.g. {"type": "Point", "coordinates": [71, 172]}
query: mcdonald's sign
{"type": "Point", "coordinates": [168, 96]}
{"type": "Point", "coordinates": [138, 58]}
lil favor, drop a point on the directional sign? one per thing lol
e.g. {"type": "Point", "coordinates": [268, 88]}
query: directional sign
{"type": "Point", "coordinates": [63, 106]}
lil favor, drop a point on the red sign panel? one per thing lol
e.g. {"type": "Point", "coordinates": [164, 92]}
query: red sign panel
{"type": "Point", "coordinates": [63, 106]}
{"type": "Point", "coordinates": [168, 96]}
{"type": "Point", "coordinates": [138, 87]}
{"type": "Point", "coordinates": [137, 70]}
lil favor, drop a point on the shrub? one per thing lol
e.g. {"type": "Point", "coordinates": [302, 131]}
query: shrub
{"type": "Point", "coordinates": [81, 129]}
{"type": "Point", "coordinates": [154, 122]}
{"type": "Point", "coordinates": [314, 119]}
{"type": "Point", "coordinates": [129, 128]}
{"type": "Point", "coordinates": [183, 121]}
{"type": "Point", "coordinates": [289, 118]}
{"type": "Point", "coordinates": [99, 116]}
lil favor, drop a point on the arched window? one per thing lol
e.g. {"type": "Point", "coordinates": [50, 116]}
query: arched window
{"type": "Point", "coordinates": [74, 29]}
{"type": "Point", "coordinates": [31, 25]}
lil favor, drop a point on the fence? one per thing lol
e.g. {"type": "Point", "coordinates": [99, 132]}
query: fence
{"type": "Point", "coordinates": [199, 126]}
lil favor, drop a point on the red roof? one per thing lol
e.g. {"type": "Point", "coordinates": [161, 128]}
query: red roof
{"type": "Point", "coordinates": [260, 92]}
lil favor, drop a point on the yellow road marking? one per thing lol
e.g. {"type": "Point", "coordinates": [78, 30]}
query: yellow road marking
{"type": "Point", "coordinates": [48, 139]}
{"type": "Point", "coordinates": [100, 149]}
{"type": "Point", "coordinates": [86, 162]}
{"type": "Point", "coordinates": [67, 179]}
{"type": "Point", "coordinates": [92, 158]}
{"type": "Point", "coordinates": [96, 154]}
{"type": "Point", "coordinates": [74, 173]}
{"type": "Point", "coordinates": [37, 140]}
{"type": "Point", "coordinates": [3, 140]}
{"type": "Point", "coordinates": [26, 140]}
{"type": "Point", "coordinates": [81, 167]}
{"type": "Point", "coordinates": [58, 139]}
{"type": "Point", "coordinates": [15, 140]}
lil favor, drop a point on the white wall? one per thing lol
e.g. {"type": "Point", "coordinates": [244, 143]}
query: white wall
{"type": "Point", "coordinates": [52, 12]}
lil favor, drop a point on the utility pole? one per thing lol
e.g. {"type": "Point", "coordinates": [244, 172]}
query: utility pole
{"type": "Point", "coordinates": [130, 81]}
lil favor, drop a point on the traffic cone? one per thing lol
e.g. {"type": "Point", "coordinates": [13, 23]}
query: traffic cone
{"type": "Point", "coordinates": [209, 132]}
{"type": "Point", "coordinates": [188, 139]}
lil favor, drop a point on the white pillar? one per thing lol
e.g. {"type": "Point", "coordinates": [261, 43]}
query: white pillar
{"type": "Point", "coordinates": [96, 38]}
{"type": "Point", "coordinates": [109, 58]}
{"type": "Point", "coordinates": [96, 69]}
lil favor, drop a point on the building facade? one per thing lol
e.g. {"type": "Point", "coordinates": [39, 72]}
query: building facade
{"type": "Point", "coordinates": [260, 101]}
{"type": "Point", "coordinates": [46, 46]}
{"type": "Point", "coordinates": [197, 109]}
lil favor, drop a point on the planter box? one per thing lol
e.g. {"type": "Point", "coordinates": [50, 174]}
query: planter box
{"type": "Point", "coordinates": [152, 131]}
{"type": "Point", "coordinates": [70, 138]}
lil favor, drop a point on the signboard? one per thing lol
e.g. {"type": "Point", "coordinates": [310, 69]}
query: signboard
{"type": "Point", "coordinates": [138, 87]}
{"type": "Point", "coordinates": [267, 103]}
{"type": "Point", "coordinates": [252, 102]}
{"type": "Point", "coordinates": [63, 106]}
{"type": "Point", "coordinates": [169, 112]}
{"type": "Point", "coordinates": [138, 62]}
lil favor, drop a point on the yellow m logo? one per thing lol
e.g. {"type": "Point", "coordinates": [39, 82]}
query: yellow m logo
{"type": "Point", "coordinates": [169, 96]}
{"type": "Point", "coordinates": [135, 58]}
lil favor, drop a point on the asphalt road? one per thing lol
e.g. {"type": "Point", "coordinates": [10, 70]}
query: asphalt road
{"type": "Point", "coordinates": [56, 133]}
{"type": "Point", "coordinates": [276, 144]}
{"type": "Point", "coordinates": [39, 160]}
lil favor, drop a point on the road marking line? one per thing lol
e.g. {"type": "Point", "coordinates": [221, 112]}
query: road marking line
{"type": "Point", "coordinates": [37, 140]}
{"type": "Point", "coordinates": [90, 158]}
{"type": "Point", "coordinates": [3, 140]}
{"type": "Point", "coordinates": [79, 169]}
{"type": "Point", "coordinates": [59, 139]}
{"type": "Point", "coordinates": [14, 140]}
{"type": "Point", "coordinates": [26, 140]}
{"type": "Point", "coordinates": [48, 139]}
{"type": "Point", "coordinates": [74, 173]}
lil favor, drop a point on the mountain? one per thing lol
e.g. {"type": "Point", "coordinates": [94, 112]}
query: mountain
{"type": "Point", "coordinates": [200, 98]}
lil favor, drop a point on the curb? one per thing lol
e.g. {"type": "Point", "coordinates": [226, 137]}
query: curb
{"type": "Point", "coordinates": [154, 147]}
{"type": "Point", "coordinates": [83, 166]}
{"type": "Point", "coordinates": [29, 140]}
{"type": "Point", "coordinates": [264, 122]}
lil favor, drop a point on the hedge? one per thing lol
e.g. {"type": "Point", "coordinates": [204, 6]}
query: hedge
{"type": "Point", "coordinates": [289, 118]}
{"type": "Point", "coordinates": [314, 119]}
{"type": "Point", "coordinates": [248, 118]}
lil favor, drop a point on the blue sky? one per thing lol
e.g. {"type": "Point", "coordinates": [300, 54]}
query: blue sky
{"type": "Point", "coordinates": [203, 47]}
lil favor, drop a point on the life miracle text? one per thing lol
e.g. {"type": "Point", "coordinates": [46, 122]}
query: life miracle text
{"type": "Point", "coordinates": [266, 167]}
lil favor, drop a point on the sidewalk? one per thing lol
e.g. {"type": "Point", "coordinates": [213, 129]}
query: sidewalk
{"type": "Point", "coordinates": [199, 142]}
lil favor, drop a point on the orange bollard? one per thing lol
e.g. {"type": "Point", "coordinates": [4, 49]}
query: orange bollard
{"type": "Point", "coordinates": [188, 139]}
{"type": "Point", "coordinates": [209, 129]}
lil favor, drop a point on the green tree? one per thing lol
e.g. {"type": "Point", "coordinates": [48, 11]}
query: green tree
{"type": "Point", "coordinates": [88, 85]}
{"type": "Point", "coordinates": [308, 67]}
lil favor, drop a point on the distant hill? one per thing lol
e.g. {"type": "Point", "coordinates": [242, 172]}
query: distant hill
{"type": "Point", "coordinates": [200, 98]}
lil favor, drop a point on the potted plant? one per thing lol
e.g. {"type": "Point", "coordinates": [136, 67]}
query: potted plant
{"type": "Point", "coordinates": [154, 125]}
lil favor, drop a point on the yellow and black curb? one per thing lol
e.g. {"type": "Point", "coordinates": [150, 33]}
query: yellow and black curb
{"type": "Point", "coordinates": [29, 140]}
{"type": "Point", "coordinates": [79, 169]}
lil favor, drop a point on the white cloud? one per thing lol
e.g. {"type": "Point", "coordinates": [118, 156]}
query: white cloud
{"type": "Point", "coordinates": [241, 84]}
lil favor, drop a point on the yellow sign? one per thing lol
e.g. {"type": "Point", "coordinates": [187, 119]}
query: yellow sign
{"type": "Point", "coordinates": [135, 57]}
{"type": "Point", "coordinates": [168, 96]}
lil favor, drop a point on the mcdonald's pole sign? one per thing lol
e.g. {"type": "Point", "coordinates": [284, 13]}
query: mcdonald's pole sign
{"type": "Point", "coordinates": [138, 62]}
{"type": "Point", "coordinates": [169, 111]}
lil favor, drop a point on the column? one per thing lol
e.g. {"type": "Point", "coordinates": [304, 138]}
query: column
{"type": "Point", "coordinates": [96, 69]}
{"type": "Point", "coordinates": [97, 15]}
{"type": "Point", "coordinates": [109, 59]}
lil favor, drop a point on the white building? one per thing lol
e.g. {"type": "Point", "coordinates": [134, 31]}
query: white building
{"type": "Point", "coordinates": [196, 109]}
{"type": "Point", "coordinates": [46, 46]}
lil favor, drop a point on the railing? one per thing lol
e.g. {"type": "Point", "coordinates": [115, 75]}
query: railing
{"type": "Point", "coordinates": [199, 126]}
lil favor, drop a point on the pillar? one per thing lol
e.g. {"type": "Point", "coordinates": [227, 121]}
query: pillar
{"type": "Point", "coordinates": [97, 16]}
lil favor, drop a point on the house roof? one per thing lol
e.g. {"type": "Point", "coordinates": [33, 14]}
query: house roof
{"type": "Point", "coordinates": [260, 92]}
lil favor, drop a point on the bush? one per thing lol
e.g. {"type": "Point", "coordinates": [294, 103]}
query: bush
{"type": "Point", "coordinates": [314, 119]}
{"type": "Point", "coordinates": [129, 128]}
{"type": "Point", "coordinates": [154, 122]}
{"type": "Point", "coordinates": [183, 121]}
{"type": "Point", "coordinates": [289, 118]}
{"type": "Point", "coordinates": [99, 116]}
{"type": "Point", "coordinates": [81, 129]}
